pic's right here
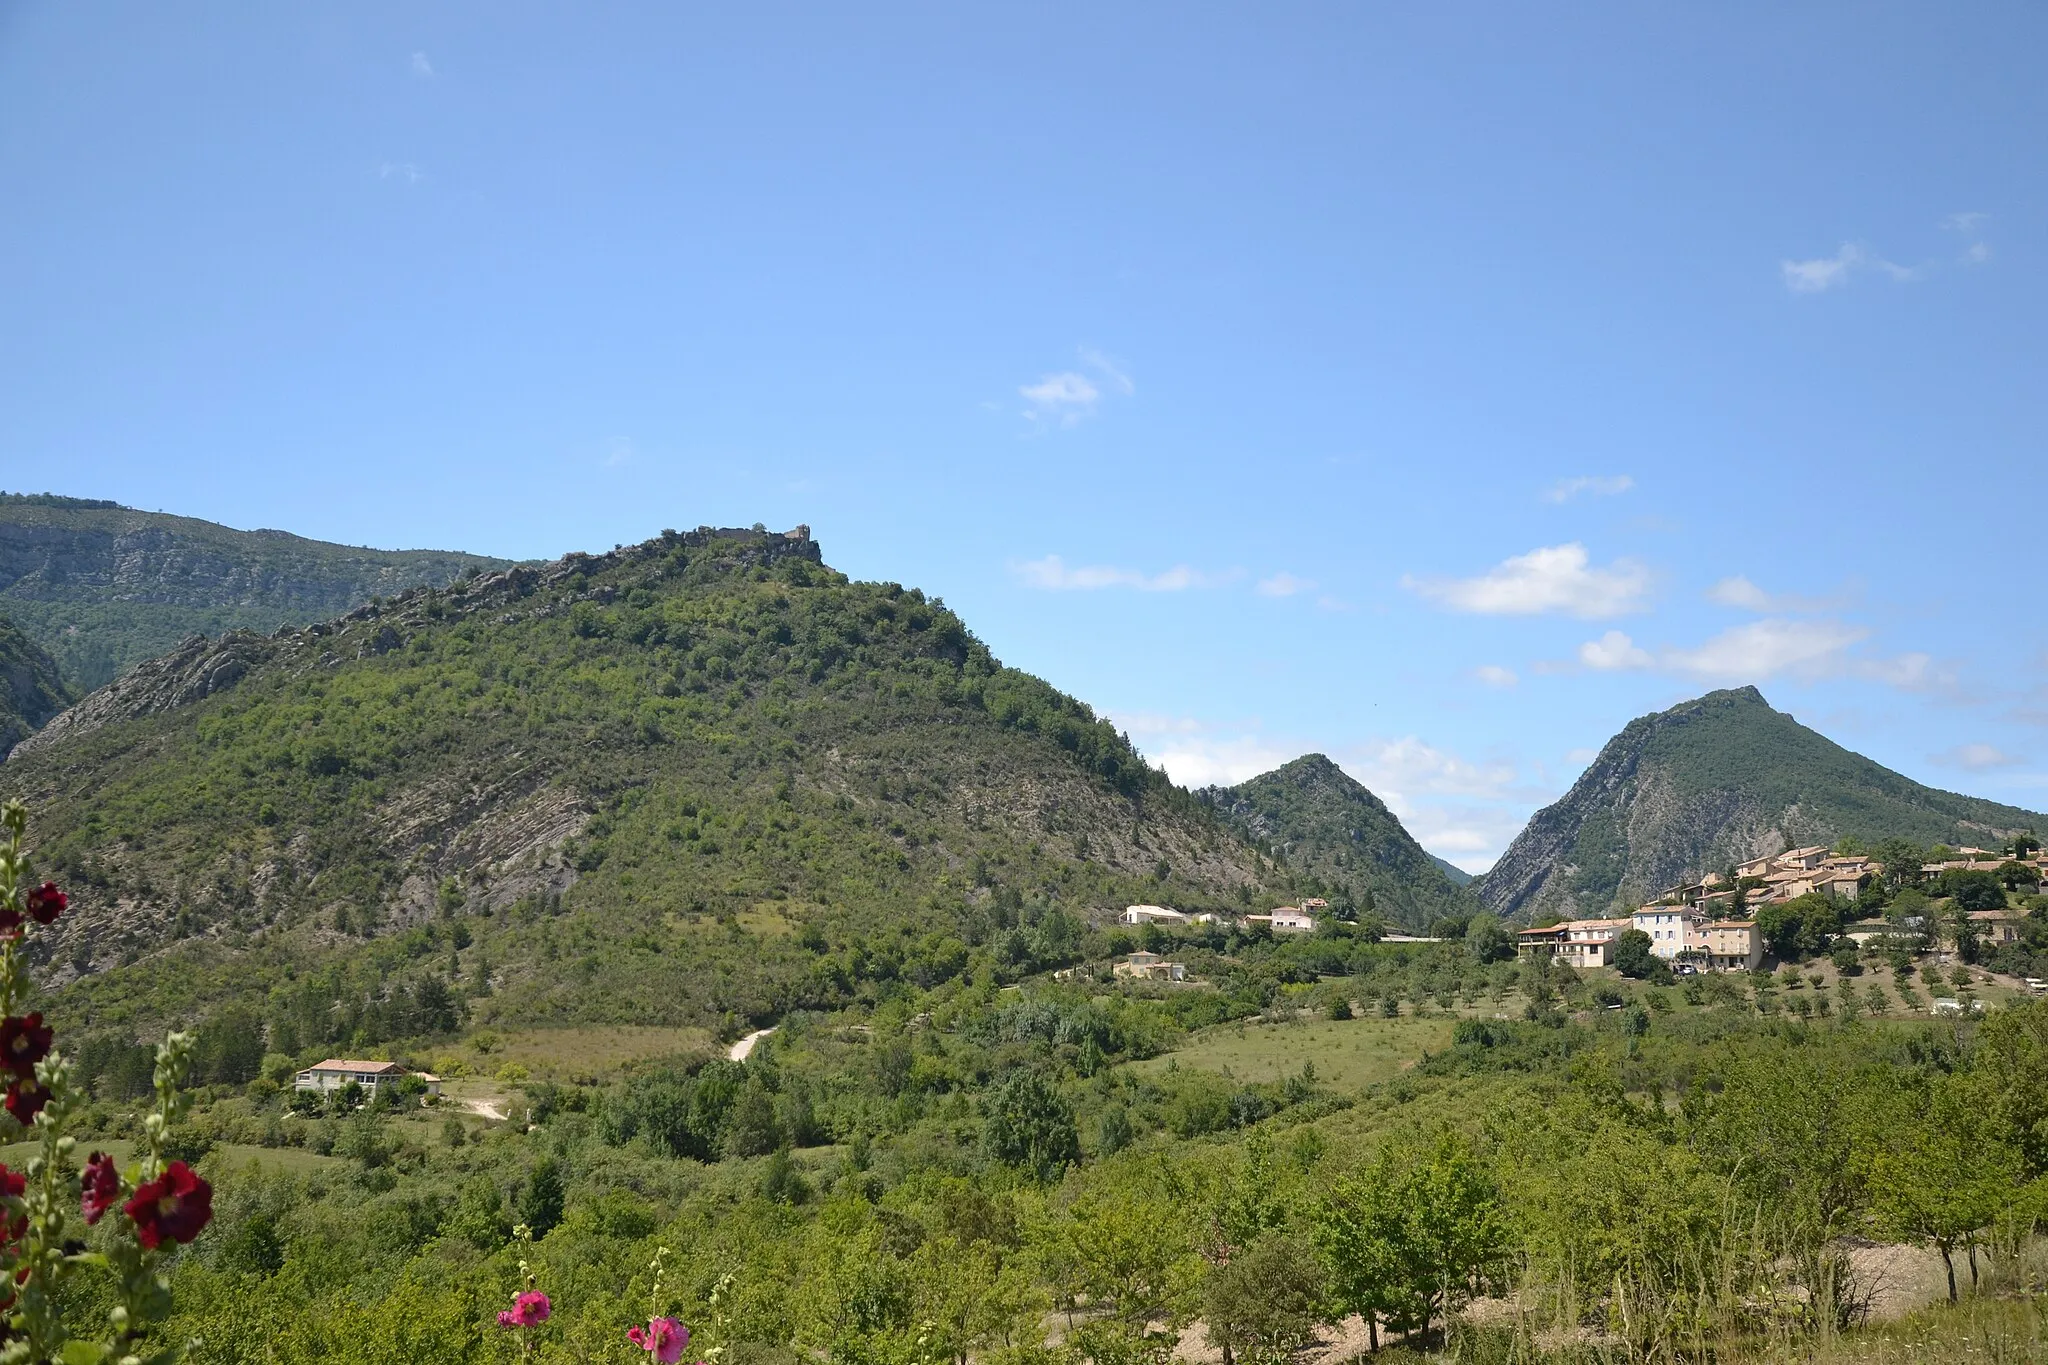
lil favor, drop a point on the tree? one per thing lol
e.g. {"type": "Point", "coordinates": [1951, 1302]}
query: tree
{"type": "Point", "coordinates": [1028, 1123]}
{"type": "Point", "coordinates": [2023, 845]}
{"type": "Point", "coordinates": [1943, 1174]}
{"type": "Point", "coordinates": [1263, 1305]}
{"type": "Point", "coordinates": [1487, 941]}
{"type": "Point", "coordinates": [1973, 888]}
{"type": "Point", "coordinates": [540, 1203]}
{"type": "Point", "coordinates": [2015, 874]}
{"type": "Point", "coordinates": [1632, 955]}
{"type": "Point", "coordinates": [1413, 1244]}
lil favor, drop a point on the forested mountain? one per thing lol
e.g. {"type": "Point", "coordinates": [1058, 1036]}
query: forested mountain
{"type": "Point", "coordinates": [699, 777]}
{"type": "Point", "coordinates": [1709, 783]}
{"type": "Point", "coordinates": [1331, 828]}
{"type": "Point", "coordinates": [102, 586]}
{"type": "Point", "coordinates": [30, 690]}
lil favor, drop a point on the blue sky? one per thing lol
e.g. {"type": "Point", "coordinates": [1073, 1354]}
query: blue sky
{"type": "Point", "coordinates": [1435, 386]}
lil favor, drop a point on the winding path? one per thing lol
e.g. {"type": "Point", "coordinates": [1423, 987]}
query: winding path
{"type": "Point", "coordinates": [738, 1051]}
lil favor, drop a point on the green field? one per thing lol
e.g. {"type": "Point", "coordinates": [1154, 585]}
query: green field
{"type": "Point", "coordinates": [1349, 1054]}
{"type": "Point", "coordinates": [230, 1155]}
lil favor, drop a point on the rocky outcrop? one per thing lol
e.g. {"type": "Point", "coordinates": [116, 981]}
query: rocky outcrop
{"type": "Point", "coordinates": [30, 691]}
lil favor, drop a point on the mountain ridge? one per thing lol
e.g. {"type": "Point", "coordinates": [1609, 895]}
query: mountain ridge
{"type": "Point", "coordinates": [1329, 825]}
{"type": "Point", "coordinates": [1708, 783]}
{"type": "Point", "coordinates": [101, 586]}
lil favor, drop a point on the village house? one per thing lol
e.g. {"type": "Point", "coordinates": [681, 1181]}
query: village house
{"type": "Point", "coordinates": [1149, 967]}
{"type": "Point", "coordinates": [1581, 942]}
{"type": "Point", "coordinates": [337, 1073]}
{"type": "Point", "coordinates": [1667, 926]}
{"type": "Point", "coordinates": [1997, 926]}
{"type": "Point", "coordinates": [1152, 914]}
{"type": "Point", "coordinates": [1730, 945]}
{"type": "Point", "coordinates": [1293, 919]}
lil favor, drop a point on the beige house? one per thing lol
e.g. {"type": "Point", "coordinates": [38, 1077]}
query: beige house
{"type": "Point", "coordinates": [1152, 914]}
{"type": "Point", "coordinates": [1996, 926]}
{"type": "Point", "coordinates": [336, 1072]}
{"type": "Point", "coordinates": [1149, 967]}
{"type": "Point", "coordinates": [1581, 942]}
{"type": "Point", "coordinates": [1731, 945]}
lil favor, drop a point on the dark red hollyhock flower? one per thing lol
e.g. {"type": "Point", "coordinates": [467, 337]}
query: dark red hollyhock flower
{"type": "Point", "coordinates": [12, 1182]}
{"type": "Point", "coordinates": [176, 1205]}
{"type": "Point", "coordinates": [100, 1187]}
{"type": "Point", "coordinates": [25, 1099]}
{"type": "Point", "coordinates": [24, 1041]}
{"type": "Point", "coordinates": [10, 921]}
{"type": "Point", "coordinates": [46, 902]}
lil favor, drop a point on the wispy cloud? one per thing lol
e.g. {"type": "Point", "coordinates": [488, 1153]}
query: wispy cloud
{"type": "Point", "coordinates": [400, 170]}
{"type": "Point", "coordinates": [1975, 758]}
{"type": "Point", "coordinates": [1055, 574]}
{"type": "Point", "coordinates": [1559, 578]}
{"type": "Point", "coordinates": [1774, 647]}
{"type": "Point", "coordinates": [1740, 592]}
{"type": "Point", "coordinates": [1970, 226]}
{"type": "Point", "coordinates": [1495, 675]}
{"type": "Point", "coordinates": [1830, 272]}
{"type": "Point", "coordinates": [1564, 490]}
{"type": "Point", "coordinates": [1067, 397]}
{"type": "Point", "coordinates": [421, 67]}
{"type": "Point", "coordinates": [1284, 585]}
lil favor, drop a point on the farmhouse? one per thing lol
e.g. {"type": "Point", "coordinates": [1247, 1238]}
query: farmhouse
{"type": "Point", "coordinates": [336, 1073]}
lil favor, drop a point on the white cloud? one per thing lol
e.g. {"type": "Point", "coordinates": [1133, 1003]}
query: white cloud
{"type": "Point", "coordinates": [1828, 272]}
{"type": "Point", "coordinates": [1975, 758]}
{"type": "Point", "coordinates": [421, 66]}
{"type": "Point", "coordinates": [1055, 574]}
{"type": "Point", "coordinates": [1555, 579]}
{"type": "Point", "coordinates": [1766, 648]}
{"type": "Point", "coordinates": [401, 170]}
{"type": "Point", "coordinates": [1965, 223]}
{"type": "Point", "coordinates": [1740, 592]}
{"type": "Point", "coordinates": [1494, 675]}
{"type": "Point", "coordinates": [1613, 650]}
{"type": "Point", "coordinates": [1976, 253]}
{"type": "Point", "coordinates": [1564, 490]}
{"type": "Point", "coordinates": [1066, 397]}
{"type": "Point", "coordinates": [1284, 585]}
{"type": "Point", "coordinates": [1403, 767]}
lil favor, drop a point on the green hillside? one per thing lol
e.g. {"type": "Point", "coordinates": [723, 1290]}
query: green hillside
{"type": "Point", "coordinates": [102, 586]}
{"type": "Point", "coordinates": [1329, 828]}
{"type": "Point", "coordinates": [701, 780]}
{"type": "Point", "coordinates": [30, 690]}
{"type": "Point", "coordinates": [1707, 784]}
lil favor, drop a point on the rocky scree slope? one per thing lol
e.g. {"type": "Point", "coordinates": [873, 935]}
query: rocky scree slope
{"type": "Point", "coordinates": [1332, 829]}
{"type": "Point", "coordinates": [1704, 785]}
{"type": "Point", "coordinates": [30, 690]}
{"type": "Point", "coordinates": [701, 778]}
{"type": "Point", "coordinates": [102, 587]}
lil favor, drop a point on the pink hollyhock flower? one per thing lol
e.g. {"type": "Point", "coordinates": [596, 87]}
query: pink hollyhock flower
{"type": "Point", "coordinates": [100, 1188]}
{"type": "Point", "coordinates": [530, 1309]}
{"type": "Point", "coordinates": [663, 1338]}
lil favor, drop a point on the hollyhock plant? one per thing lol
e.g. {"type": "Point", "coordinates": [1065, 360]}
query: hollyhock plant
{"type": "Point", "coordinates": [39, 1244]}
{"type": "Point", "coordinates": [99, 1189]}
{"type": "Point", "coordinates": [23, 1043]}
{"type": "Point", "coordinates": [662, 1338]}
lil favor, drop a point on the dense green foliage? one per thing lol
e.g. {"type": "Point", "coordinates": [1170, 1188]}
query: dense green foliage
{"type": "Point", "coordinates": [102, 587]}
{"type": "Point", "coordinates": [1344, 841]}
{"type": "Point", "coordinates": [30, 689]}
{"type": "Point", "coordinates": [702, 781]}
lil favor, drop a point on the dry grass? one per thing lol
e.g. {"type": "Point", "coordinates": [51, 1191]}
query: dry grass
{"type": "Point", "coordinates": [585, 1054]}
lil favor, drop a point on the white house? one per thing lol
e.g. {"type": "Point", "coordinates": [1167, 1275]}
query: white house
{"type": "Point", "coordinates": [1152, 914]}
{"type": "Point", "coordinates": [335, 1073]}
{"type": "Point", "coordinates": [1292, 919]}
